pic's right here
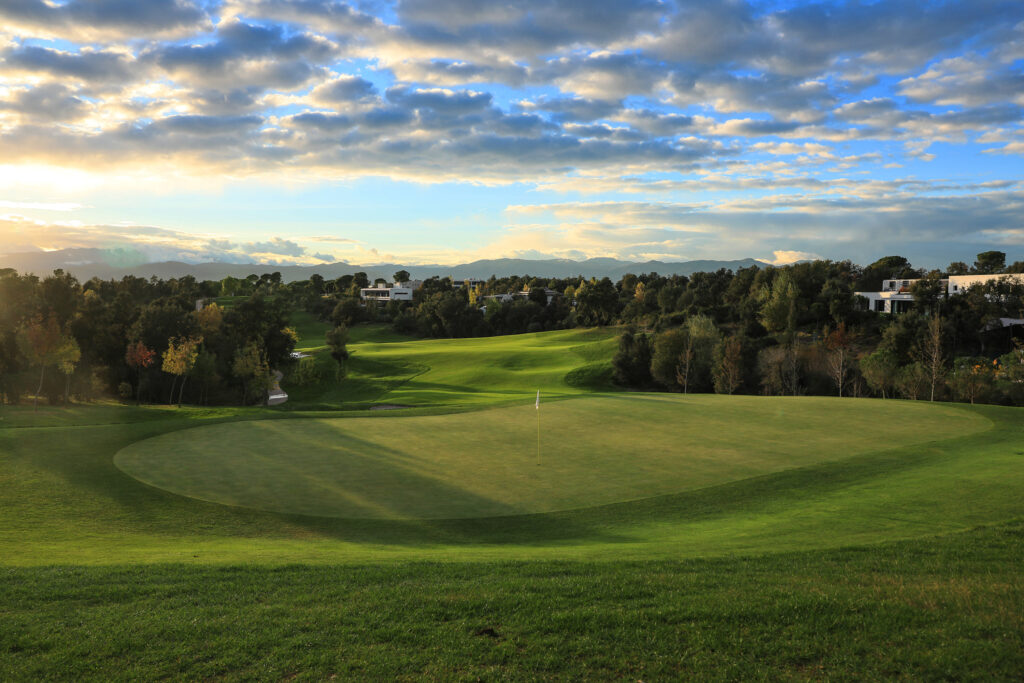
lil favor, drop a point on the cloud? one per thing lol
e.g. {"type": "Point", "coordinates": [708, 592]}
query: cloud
{"type": "Point", "coordinates": [860, 223]}
{"type": "Point", "coordinates": [149, 243]}
{"type": "Point", "coordinates": [245, 54]}
{"type": "Point", "coordinates": [49, 102]}
{"type": "Point", "coordinates": [438, 99]}
{"type": "Point", "coordinates": [527, 26]}
{"type": "Point", "coordinates": [670, 104]}
{"type": "Point", "coordinates": [969, 81]}
{"type": "Point", "coordinates": [102, 66]}
{"type": "Point", "coordinates": [276, 246]}
{"type": "Point", "coordinates": [781, 257]}
{"type": "Point", "coordinates": [103, 19]}
{"type": "Point", "coordinates": [40, 206]}
{"type": "Point", "coordinates": [344, 89]}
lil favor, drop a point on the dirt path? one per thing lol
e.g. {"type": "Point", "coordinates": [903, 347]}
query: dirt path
{"type": "Point", "coordinates": [277, 395]}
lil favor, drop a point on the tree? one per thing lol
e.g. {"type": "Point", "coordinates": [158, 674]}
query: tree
{"type": "Point", "coordinates": [139, 357]}
{"type": "Point", "coordinates": [179, 359]}
{"type": "Point", "coordinates": [880, 370]}
{"type": "Point", "coordinates": [838, 297]}
{"type": "Point", "coordinates": [912, 381]}
{"type": "Point", "coordinates": [39, 340]}
{"type": "Point", "coordinates": [230, 286]}
{"type": "Point", "coordinates": [1015, 267]}
{"type": "Point", "coordinates": [316, 283]}
{"type": "Point", "coordinates": [779, 368]}
{"type": "Point", "coordinates": [402, 276]}
{"type": "Point", "coordinates": [728, 371]}
{"type": "Point", "coordinates": [251, 368]}
{"type": "Point", "coordinates": [885, 268]}
{"type": "Point", "coordinates": [60, 296]}
{"type": "Point", "coordinates": [67, 356]}
{"type": "Point", "coordinates": [209, 319]}
{"type": "Point", "coordinates": [682, 358]}
{"type": "Point", "coordinates": [837, 344]}
{"type": "Point", "coordinates": [990, 262]}
{"type": "Point", "coordinates": [928, 292]}
{"type": "Point", "coordinates": [972, 378]}
{"type": "Point", "coordinates": [778, 308]}
{"type": "Point", "coordinates": [668, 348]}
{"type": "Point", "coordinates": [337, 338]}
{"type": "Point", "coordinates": [348, 312]}
{"type": "Point", "coordinates": [205, 372]}
{"type": "Point", "coordinates": [632, 363]}
{"type": "Point", "coordinates": [930, 354]}
{"type": "Point", "coordinates": [597, 302]}
{"type": "Point", "coordinates": [685, 363]}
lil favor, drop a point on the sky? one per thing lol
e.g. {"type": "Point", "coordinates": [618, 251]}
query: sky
{"type": "Point", "coordinates": [444, 131]}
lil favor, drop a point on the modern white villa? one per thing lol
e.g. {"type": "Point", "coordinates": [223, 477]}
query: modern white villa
{"type": "Point", "coordinates": [396, 291]}
{"type": "Point", "coordinates": [896, 297]}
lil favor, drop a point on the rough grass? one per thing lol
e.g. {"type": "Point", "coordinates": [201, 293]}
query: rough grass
{"type": "Point", "coordinates": [949, 608]}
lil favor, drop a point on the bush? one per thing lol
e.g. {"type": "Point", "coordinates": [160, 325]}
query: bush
{"type": "Point", "coordinates": [308, 371]}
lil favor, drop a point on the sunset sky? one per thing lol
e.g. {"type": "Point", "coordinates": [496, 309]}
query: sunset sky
{"type": "Point", "coordinates": [441, 131]}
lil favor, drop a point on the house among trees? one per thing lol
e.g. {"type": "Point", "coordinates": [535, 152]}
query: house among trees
{"type": "Point", "coordinates": [396, 291]}
{"type": "Point", "coordinates": [549, 296]}
{"type": "Point", "coordinates": [897, 296]}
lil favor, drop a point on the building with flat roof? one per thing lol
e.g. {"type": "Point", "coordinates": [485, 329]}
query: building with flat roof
{"type": "Point", "coordinates": [896, 297]}
{"type": "Point", "coordinates": [383, 292]}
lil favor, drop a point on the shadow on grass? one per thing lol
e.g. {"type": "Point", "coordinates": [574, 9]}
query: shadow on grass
{"type": "Point", "coordinates": [83, 462]}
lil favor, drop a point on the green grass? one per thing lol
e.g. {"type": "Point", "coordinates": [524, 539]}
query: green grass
{"type": "Point", "coordinates": [387, 368]}
{"type": "Point", "coordinates": [945, 608]}
{"type": "Point", "coordinates": [594, 451]}
{"type": "Point", "coordinates": [663, 536]}
{"type": "Point", "coordinates": [66, 502]}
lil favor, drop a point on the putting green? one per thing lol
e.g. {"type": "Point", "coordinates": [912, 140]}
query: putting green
{"type": "Point", "coordinates": [595, 450]}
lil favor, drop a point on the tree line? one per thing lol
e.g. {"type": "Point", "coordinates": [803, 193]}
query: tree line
{"type": "Point", "coordinates": [142, 340]}
{"type": "Point", "coordinates": [800, 329]}
{"type": "Point", "coordinates": [796, 329]}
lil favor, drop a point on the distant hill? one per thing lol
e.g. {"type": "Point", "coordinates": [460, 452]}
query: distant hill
{"type": "Point", "coordinates": [107, 264]}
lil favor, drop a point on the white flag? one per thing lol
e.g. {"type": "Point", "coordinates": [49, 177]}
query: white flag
{"type": "Point", "coordinates": [538, 400]}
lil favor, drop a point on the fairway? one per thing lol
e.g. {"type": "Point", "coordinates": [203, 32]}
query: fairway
{"type": "Point", "coordinates": [595, 451]}
{"type": "Point", "coordinates": [385, 367]}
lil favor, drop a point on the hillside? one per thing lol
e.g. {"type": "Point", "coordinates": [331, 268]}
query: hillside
{"type": "Point", "coordinates": [107, 264]}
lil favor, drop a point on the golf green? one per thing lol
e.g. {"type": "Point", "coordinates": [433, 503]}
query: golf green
{"type": "Point", "coordinates": [593, 451]}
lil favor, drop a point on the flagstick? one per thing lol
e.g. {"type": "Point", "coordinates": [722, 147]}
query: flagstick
{"type": "Point", "coordinates": [538, 436]}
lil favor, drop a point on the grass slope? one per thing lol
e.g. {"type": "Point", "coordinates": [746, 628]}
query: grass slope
{"type": "Point", "coordinates": [826, 566]}
{"type": "Point", "coordinates": [388, 368]}
{"type": "Point", "coordinates": [945, 608]}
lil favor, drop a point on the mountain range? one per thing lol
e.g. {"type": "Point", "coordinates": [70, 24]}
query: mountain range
{"type": "Point", "coordinates": [106, 264]}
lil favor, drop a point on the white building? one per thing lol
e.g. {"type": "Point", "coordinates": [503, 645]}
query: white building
{"type": "Point", "coordinates": [549, 294]}
{"type": "Point", "coordinates": [396, 291]}
{"type": "Point", "coordinates": [896, 297]}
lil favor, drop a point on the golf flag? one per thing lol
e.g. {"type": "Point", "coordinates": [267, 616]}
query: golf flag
{"type": "Point", "coordinates": [537, 406]}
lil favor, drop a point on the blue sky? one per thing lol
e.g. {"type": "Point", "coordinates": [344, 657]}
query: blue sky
{"type": "Point", "coordinates": [441, 131]}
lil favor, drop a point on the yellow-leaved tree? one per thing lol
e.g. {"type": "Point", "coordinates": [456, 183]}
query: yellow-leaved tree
{"type": "Point", "coordinates": [179, 359]}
